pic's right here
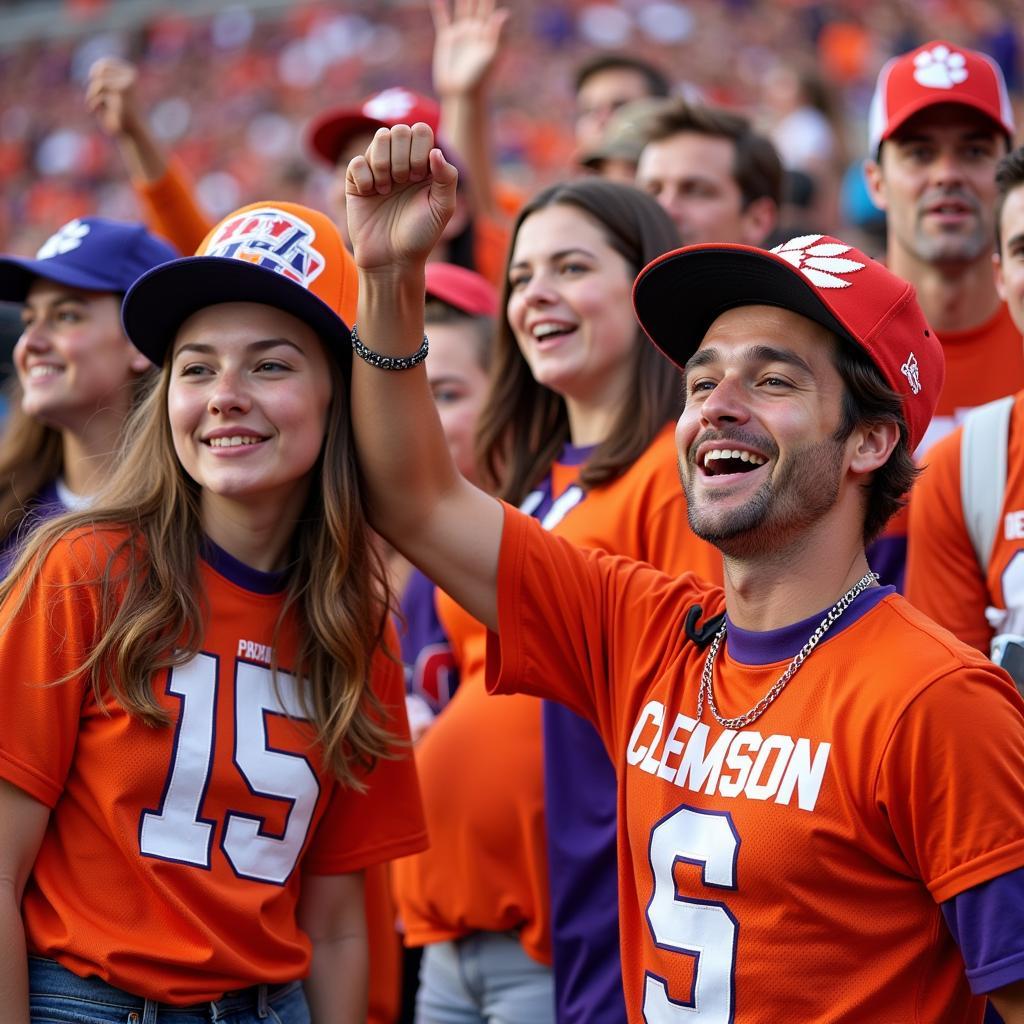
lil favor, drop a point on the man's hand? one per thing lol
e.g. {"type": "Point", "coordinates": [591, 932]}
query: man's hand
{"type": "Point", "coordinates": [399, 197]}
{"type": "Point", "coordinates": [467, 44]}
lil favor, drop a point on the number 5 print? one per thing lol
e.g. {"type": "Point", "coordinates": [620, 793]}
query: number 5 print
{"type": "Point", "coordinates": [176, 831]}
{"type": "Point", "coordinates": [702, 929]}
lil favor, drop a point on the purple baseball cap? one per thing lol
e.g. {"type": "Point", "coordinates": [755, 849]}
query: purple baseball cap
{"type": "Point", "coordinates": [91, 253]}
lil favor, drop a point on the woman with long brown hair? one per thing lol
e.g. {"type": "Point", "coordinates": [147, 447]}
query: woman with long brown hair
{"type": "Point", "coordinates": [520, 799]}
{"type": "Point", "coordinates": [205, 742]}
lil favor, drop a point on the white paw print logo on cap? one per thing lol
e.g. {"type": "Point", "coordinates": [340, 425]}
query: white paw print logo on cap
{"type": "Point", "coordinates": [66, 239]}
{"type": "Point", "coordinates": [819, 262]}
{"type": "Point", "coordinates": [940, 68]}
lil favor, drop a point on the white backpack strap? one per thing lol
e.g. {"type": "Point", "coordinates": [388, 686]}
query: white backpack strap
{"type": "Point", "coordinates": [983, 449]}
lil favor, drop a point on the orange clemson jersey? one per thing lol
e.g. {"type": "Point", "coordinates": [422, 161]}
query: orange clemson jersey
{"type": "Point", "coordinates": [172, 863]}
{"type": "Point", "coordinates": [790, 870]}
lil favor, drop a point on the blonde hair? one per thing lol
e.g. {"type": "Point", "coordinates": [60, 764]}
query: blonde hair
{"type": "Point", "coordinates": [152, 611]}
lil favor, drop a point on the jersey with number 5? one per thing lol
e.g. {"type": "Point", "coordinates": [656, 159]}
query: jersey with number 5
{"type": "Point", "coordinates": [172, 863]}
{"type": "Point", "coordinates": [791, 870]}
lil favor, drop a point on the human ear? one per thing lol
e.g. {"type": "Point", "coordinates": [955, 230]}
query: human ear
{"type": "Point", "coordinates": [997, 267]}
{"type": "Point", "coordinates": [876, 183]}
{"type": "Point", "coordinates": [760, 218]}
{"type": "Point", "coordinates": [872, 444]}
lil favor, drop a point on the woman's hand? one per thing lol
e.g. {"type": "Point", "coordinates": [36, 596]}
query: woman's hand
{"type": "Point", "coordinates": [399, 196]}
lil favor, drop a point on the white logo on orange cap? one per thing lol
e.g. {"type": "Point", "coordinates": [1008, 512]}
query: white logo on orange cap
{"type": "Point", "coordinates": [910, 371]}
{"type": "Point", "coordinates": [66, 239]}
{"type": "Point", "coordinates": [940, 68]}
{"type": "Point", "coordinates": [819, 263]}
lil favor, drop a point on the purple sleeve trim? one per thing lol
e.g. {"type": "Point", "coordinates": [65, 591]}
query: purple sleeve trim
{"type": "Point", "coordinates": [987, 923]}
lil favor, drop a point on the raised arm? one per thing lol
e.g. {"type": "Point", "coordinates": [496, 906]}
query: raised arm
{"type": "Point", "coordinates": [110, 97]}
{"type": "Point", "coordinates": [400, 195]}
{"type": "Point", "coordinates": [467, 45]}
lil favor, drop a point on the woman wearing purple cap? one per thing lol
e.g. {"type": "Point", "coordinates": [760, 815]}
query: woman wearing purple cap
{"type": "Point", "coordinates": [78, 375]}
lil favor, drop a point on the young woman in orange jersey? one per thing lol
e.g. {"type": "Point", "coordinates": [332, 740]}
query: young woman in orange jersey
{"type": "Point", "coordinates": [78, 376]}
{"type": "Point", "coordinates": [204, 743]}
{"type": "Point", "coordinates": [576, 430]}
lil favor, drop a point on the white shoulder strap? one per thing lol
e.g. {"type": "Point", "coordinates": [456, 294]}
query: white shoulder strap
{"type": "Point", "coordinates": [983, 472]}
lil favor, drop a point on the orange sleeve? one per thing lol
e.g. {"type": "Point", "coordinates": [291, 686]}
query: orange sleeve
{"type": "Point", "coordinates": [968, 835]}
{"type": "Point", "coordinates": [170, 209]}
{"type": "Point", "coordinates": [42, 642]}
{"type": "Point", "coordinates": [573, 623]}
{"type": "Point", "coordinates": [944, 579]}
{"type": "Point", "coordinates": [389, 811]}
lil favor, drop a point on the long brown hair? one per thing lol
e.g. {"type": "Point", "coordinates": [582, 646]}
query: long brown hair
{"type": "Point", "coordinates": [524, 425]}
{"type": "Point", "coordinates": [32, 455]}
{"type": "Point", "coordinates": [153, 610]}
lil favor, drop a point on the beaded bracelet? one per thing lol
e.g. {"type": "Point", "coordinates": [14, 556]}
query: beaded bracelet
{"type": "Point", "coordinates": [388, 362]}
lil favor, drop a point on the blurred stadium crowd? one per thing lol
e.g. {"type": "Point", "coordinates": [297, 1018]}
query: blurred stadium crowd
{"type": "Point", "coordinates": [230, 91]}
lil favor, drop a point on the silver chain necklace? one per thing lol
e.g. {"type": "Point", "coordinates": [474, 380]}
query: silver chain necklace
{"type": "Point", "coordinates": [761, 706]}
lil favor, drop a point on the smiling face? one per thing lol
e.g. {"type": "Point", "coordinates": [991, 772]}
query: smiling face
{"type": "Point", "coordinates": [247, 400]}
{"type": "Point", "coordinates": [936, 182]}
{"type": "Point", "coordinates": [570, 306]}
{"type": "Point", "coordinates": [73, 360]}
{"type": "Point", "coordinates": [757, 450]}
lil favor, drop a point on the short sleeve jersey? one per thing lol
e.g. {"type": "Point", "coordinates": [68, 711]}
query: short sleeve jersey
{"type": "Point", "coordinates": [481, 762]}
{"type": "Point", "coordinates": [790, 870]}
{"type": "Point", "coordinates": [172, 863]}
{"type": "Point", "coordinates": [944, 578]}
{"type": "Point", "coordinates": [982, 364]}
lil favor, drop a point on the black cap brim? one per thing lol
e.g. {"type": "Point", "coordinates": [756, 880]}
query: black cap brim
{"type": "Point", "coordinates": [681, 294]}
{"type": "Point", "coordinates": [161, 300]}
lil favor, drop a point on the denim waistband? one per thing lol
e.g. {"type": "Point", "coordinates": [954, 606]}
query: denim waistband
{"type": "Point", "coordinates": [48, 976]}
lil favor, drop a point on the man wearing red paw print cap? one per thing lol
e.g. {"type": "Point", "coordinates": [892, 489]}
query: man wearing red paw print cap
{"type": "Point", "coordinates": [820, 792]}
{"type": "Point", "coordinates": [939, 123]}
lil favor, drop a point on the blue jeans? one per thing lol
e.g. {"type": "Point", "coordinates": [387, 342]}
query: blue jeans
{"type": "Point", "coordinates": [484, 978]}
{"type": "Point", "coordinates": [58, 996]}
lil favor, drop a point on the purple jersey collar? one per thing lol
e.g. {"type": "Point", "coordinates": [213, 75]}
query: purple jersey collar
{"type": "Point", "coordinates": [765, 648]}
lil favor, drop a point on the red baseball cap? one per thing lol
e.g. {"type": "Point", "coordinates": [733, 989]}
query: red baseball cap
{"type": "Point", "coordinates": [678, 296]}
{"type": "Point", "coordinates": [937, 72]}
{"type": "Point", "coordinates": [278, 254]}
{"type": "Point", "coordinates": [329, 133]}
{"type": "Point", "coordinates": [466, 290]}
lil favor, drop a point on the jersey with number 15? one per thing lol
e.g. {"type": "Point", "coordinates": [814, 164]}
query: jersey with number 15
{"type": "Point", "coordinates": [172, 864]}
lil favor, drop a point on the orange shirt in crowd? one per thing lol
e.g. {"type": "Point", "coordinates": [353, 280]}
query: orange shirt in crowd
{"type": "Point", "coordinates": [805, 856]}
{"type": "Point", "coordinates": [982, 364]}
{"type": "Point", "coordinates": [944, 578]}
{"type": "Point", "coordinates": [481, 762]}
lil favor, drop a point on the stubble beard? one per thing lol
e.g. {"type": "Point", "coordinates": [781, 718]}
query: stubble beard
{"type": "Point", "coordinates": [806, 488]}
